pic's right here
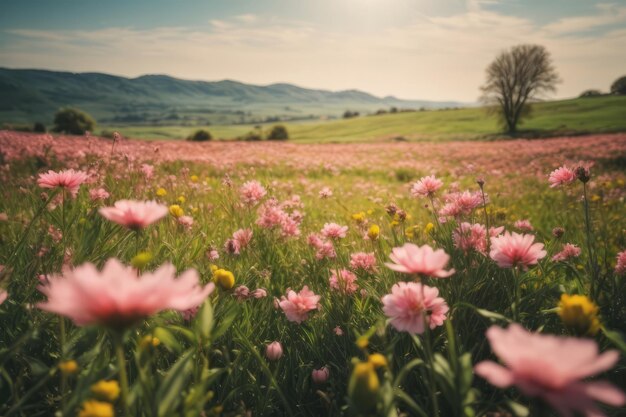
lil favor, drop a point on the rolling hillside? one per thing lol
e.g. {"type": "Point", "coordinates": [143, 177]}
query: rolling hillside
{"type": "Point", "coordinates": [27, 96]}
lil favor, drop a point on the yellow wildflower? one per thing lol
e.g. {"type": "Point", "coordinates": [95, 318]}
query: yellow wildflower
{"type": "Point", "coordinates": [579, 314]}
{"type": "Point", "coordinates": [374, 232]}
{"type": "Point", "coordinates": [106, 390]}
{"type": "Point", "coordinates": [363, 386]}
{"type": "Point", "coordinates": [149, 340]}
{"type": "Point", "coordinates": [225, 279]}
{"type": "Point", "coordinates": [140, 260]}
{"type": "Point", "coordinates": [93, 408]}
{"type": "Point", "coordinates": [362, 342]}
{"type": "Point", "coordinates": [176, 210]}
{"type": "Point", "coordinates": [68, 367]}
{"type": "Point", "coordinates": [359, 218]}
{"type": "Point", "coordinates": [429, 228]}
{"type": "Point", "coordinates": [377, 360]}
{"type": "Point", "coordinates": [161, 192]}
{"type": "Point", "coordinates": [194, 178]}
{"type": "Point", "coordinates": [181, 199]}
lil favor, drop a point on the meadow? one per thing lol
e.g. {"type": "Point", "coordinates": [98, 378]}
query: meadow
{"type": "Point", "coordinates": [554, 118]}
{"type": "Point", "coordinates": [450, 278]}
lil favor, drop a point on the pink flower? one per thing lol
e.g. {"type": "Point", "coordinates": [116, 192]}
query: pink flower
{"type": "Point", "coordinates": [241, 293]}
{"type": "Point", "coordinates": [274, 351]}
{"type": "Point", "coordinates": [569, 251]}
{"type": "Point", "coordinates": [411, 304]}
{"type": "Point", "coordinates": [3, 296]}
{"type": "Point", "coordinates": [259, 293]}
{"type": "Point", "coordinates": [345, 282]}
{"type": "Point", "coordinates": [337, 330]}
{"type": "Point", "coordinates": [552, 368]}
{"type": "Point", "coordinates": [327, 250]}
{"type": "Point", "coordinates": [251, 192]}
{"type": "Point", "coordinates": [620, 268]}
{"type": "Point", "coordinates": [458, 204]}
{"type": "Point", "coordinates": [321, 375]}
{"type": "Point", "coordinates": [68, 179]}
{"type": "Point", "coordinates": [243, 238]}
{"type": "Point", "coordinates": [147, 170]}
{"type": "Point", "coordinates": [185, 221]}
{"type": "Point", "coordinates": [426, 186]}
{"type": "Point", "coordinates": [561, 176]}
{"type": "Point", "coordinates": [134, 215]}
{"type": "Point", "coordinates": [116, 297]}
{"type": "Point", "coordinates": [325, 192]}
{"type": "Point", "coordinates": [297, 305]}
{"type": "Point", "coordinates": [334, 231]}
{"type": "Point", "coordinates": [363, 261]}
{"type": "Point", "coordinates": [96, 194]}
{"type": "Point", "coordinates": [212, 254]}
{"type": "Point", "coordinates": [470, 237]}
{"type": "Point", "coordinates": [511, 250]}
{"type": "Point", "coordinates": [413, 259]}
{"type": "Point", "coordinates": [524, 225]}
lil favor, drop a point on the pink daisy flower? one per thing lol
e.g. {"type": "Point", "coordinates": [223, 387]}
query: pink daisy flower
{"type": "Point", "coordinates": [251, 192]}
{"type": "Point", "coordinates": [470, 237]}
{"type": "Point", "coordinates": [552, 368]}
{"type": "Point", "coordinates": [363, 261]}
{"type": "Point", "coordinates": [561, 176]}
{"type": "Point", "coordinates": [116, 297]}
{"type": "Point", "coordinates": [411, 305]}
{"type": "Point", "coordinates": [426, 186]}
{"type": "Point", "coordinates": [569, 251]}
{"type": "Point", "coordinates": [296, 306]}
{"type": "Point", "coordinates": [134, 215]}
{"type": "Point", "coordinates": [67, 179]}
{"type": "Point", "coordinates": [413, 259]}
{"type": "Point", "coordinates": [334, 231]}
{"type": "Point", "coordinates": [512, 250]}
{"type": "Point", "coordinates": [344, 282]}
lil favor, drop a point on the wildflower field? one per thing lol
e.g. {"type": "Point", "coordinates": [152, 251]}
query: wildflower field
{"type": "Point", "coordinates": [266, 279]}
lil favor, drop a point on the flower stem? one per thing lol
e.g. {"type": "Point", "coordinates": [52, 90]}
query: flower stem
{"type": "Point", "coordinates": [118, 341]}
{"type": "Point", "coordinates": [592, 263]}
{"type": "Point", "coordinates": [432, 388]}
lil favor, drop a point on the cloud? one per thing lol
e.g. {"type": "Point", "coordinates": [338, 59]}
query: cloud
{"type": "Point", "coordinates": [610, 14]}
{"type": "Point", "coordinates": [432, 57]}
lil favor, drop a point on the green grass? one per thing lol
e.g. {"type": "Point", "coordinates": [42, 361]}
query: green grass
{"type": "Point", "coordinates": [577, 116]}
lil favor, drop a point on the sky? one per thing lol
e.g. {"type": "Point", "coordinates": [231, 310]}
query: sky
{"type": "Point", "coordinates": [412, 49]}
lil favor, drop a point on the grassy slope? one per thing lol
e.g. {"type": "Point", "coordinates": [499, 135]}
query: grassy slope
{"type": "Point", "coordinates": [602, 114]}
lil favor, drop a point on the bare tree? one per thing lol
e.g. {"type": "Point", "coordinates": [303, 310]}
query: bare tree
{"type": "Point", "coordinates": [515, 79]}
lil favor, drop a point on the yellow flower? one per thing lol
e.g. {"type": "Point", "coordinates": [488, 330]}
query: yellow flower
{"type": "Point", "coordinates": [149, 340]}
{"type": "Point", "coordinates": [92, 408]}
{"type": "Point", "coordinates": [377, 360]}
{"type": "Point", "coordinates": [363, 386]}
{"type": "Point", "coordinates": [68, 367]}
{"type": "Point", "coordinates": [106, 390]}
{"type": "Point", "coordinates": [373, 232]}
{"type": "Point", "coordinates": [140, 260]}
{"type": "Point", "coordinates": [161, 192]}
{"type": "Point", "coordinates": [359, 218]}
{"type": "Point", "coordinates": [429, 228]}
{"type": "Point", "coordinates": [181, 199]}
{"type": "Point", "coordinates": [214, 268]}
{"type": "Point", "coordinates": [362, 342]}
{"type": "Point", "coordinates": [225, 279]}
{"type": "Point", "coordinates": [194, 178]}
{"type": "Point", "coordinates": [596, 197]}
{"type": "Point", "coordinates": [176, 210]}
{"type": "Point", "coordinates": [579, 314]}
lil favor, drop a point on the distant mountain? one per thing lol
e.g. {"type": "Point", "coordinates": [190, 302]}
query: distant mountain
{"type": "Point", "coordinates": [28, 95]}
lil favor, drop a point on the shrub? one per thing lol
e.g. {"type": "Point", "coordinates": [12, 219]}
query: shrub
{"type": "Point", "coordinates": [252, 136]}
{"type": "Point", "coordinates": [73, 121]}
{"type": "Point", "coordinates": [278, 132]}
{"type": "Point", "coordinates": [590, 93]}
{"type": "Point", "coordinates": [619, 86]}
{"type": "Point", "coordinates": [39, 127]}
{"type": "Point", "coordinates": [200, 136]}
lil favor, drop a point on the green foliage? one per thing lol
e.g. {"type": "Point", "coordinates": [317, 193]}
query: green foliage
{"type": "Point", "coordinates": [73, 122]}
{"type": "Point", "coordinates": [619, 86]}
{"type": "Point", "coordinates": [591, 93]}
{"type": "Point", "coordinates": [278, 132]}
{"type": "Point", "coordinates": [39, 127]}
{"type": "Point", "coordinates": [200, 136]}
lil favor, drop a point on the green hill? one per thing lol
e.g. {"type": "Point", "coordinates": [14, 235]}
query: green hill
{"type": "Point", "coordinates": [27, 96]}
{"type": "Point", "coordinates": [576, 116]}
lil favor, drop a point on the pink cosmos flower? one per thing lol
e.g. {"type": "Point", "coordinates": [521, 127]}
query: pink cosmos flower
{"type": "Point", "coordinates": [251, 192]}
{"type": "Point", "coordinates": [569, 251]}
{"type": "Point", "coordinates": [96, 194]}
{"type": "Point", "coordinates": [620, 268]}
{"type": "Point", "coordinates": [274, 351]}
{"type": "Point", "coordinates": [325, 192]}
{"type": "Point", "coordinates": [116, 297]}
{"type": "Point", "coordinates": [426, 186]}
{"type": "Point", "coordinates": [524, 225]}
{"type": "Point", "coordinates": [321, 375]}
{"type": "Point", "coordinates": [458, 204]}
{"type": "Point", "coordinates": [411, 304]}
{"type": "Point", "coordinates": [413, 259]}
{"type": "Point", "coordinates": [334, 231]}
{"type": "Point", "coordinates": [67, 179]}
{"type": "Point", "coordinates": [561, 176]}
{"type": "Point", "coordinates": [511, 250]}
{"type": "Point", "coordinates": [297, 305]}
{"type": "Point", "coordinates": [134, 215]}
{"type": "Point", "coordinates": [344, 282]}
{"type": "Point", "coordinates": [552, 368]}
{"type": "Point", "coordinates": [470, 237]}
{"type": "Point", "coordinates": [363, 261]}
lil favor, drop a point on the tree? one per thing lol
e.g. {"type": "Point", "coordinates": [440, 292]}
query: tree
{"type": "Point", "coordinates": [619, 86]}
{"type": "Point", "coordinates": [590, 93]}
{"type": "Point", "coordinates": [200, 136]}
{"type": "Point", "coordinates": [278, 132]}
{"type": "Point", "coordinates": [515, 79]}
{"type": "Point", "coordinates": [73, 121]}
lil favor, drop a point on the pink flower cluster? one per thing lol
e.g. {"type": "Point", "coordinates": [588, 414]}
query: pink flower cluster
{"type": "Point", "coordinates": [461, 204]}
{"type": "Point", "coordinates": [412, 305]}
{"type": "Point", "coordinates": [569, 251]}
{"type": "Point", "coordinates": [297, 305]}
{"type": "Point", "coordinates": [240, 240]}
{"type": "Point", "coordinates": [620, 267]}
{"type": "Point", "coordinates": [251, 193]}
{"type": "Point", "coordinates": [271, 216]}
{"type": "Point", "coordinates": [363, 261]}
{"type": "Point", "coordinates": [325, 248]}
{"type": "Point", "coordinates": [334, 231]}
{"type": "Point", "coordinates": [426, 186]}
{"type": "Point", "coordinates": [551, 368]}
{"type": "Point", "coordinates": [242, 293]}
{"type": "Point", "coordinates": [344, 281]}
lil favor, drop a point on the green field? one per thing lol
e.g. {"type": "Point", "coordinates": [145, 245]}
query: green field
{"type": "Point", "coordinates": [590, 115]}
